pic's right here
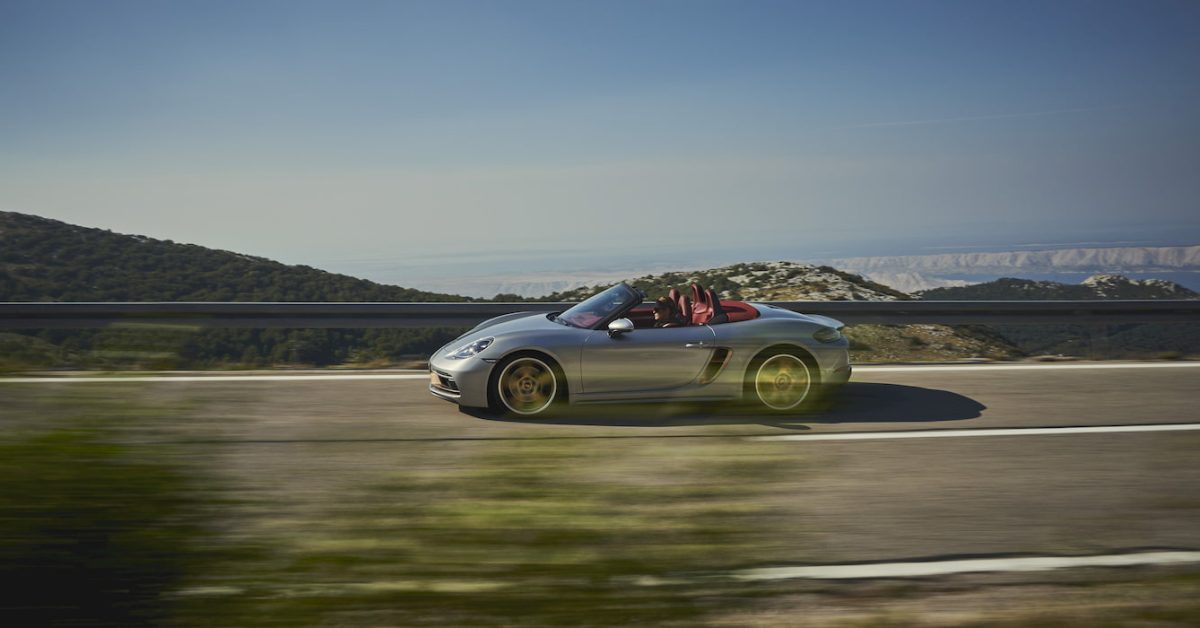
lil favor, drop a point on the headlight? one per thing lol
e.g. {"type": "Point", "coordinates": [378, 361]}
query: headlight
{"type": "Point", "coordinates": [470, 349]}
{"type": "Point", "coordinates": [827, 334]}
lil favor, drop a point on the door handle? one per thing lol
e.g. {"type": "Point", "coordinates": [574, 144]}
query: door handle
{"type": "Point", "coordinates": [695, 345]}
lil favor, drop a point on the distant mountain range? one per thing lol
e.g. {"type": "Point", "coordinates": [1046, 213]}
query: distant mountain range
{"type": "Point", "coordinates": [1082, 260]}
{"type": "Point", "coordinates": [907, 273]}
{"type": "Point", "coordinates": [921, 272]}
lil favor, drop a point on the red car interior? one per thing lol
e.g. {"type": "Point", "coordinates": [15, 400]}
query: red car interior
{"type": "Point", "coordinates": [738, 311]}
{"type": "Point", "coordinates": [685, 306]}
{"type": "Point", "coordinates": [703, 308]}
{"type": "Point", "coordinates": [718, 312]}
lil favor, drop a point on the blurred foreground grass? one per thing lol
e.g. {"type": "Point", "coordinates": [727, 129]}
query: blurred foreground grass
{"type": "Point", "coordinates": [132, 506]}
{"type": "Point", "coordinates": [541, 532]}
{"type": "Point", "coordinates": [115, 511]}
{"type": "Point", "coordinates": [93, 531]}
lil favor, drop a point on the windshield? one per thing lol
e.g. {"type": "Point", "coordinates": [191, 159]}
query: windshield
{"type": "Point", "coordinates": [601, 306]}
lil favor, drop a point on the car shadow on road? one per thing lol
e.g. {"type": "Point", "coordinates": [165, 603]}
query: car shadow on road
{"type": "Point", "coordinates": [853, 403]}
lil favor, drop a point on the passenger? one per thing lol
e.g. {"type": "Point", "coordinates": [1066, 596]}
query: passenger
{"type": "Point", "coordinates": [666, 313]}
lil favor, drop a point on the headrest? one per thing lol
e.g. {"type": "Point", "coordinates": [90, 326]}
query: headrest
{"type": "Point", "coordinates": [717, 314]}
{"type": "Point", "coordinates": [701, 308]}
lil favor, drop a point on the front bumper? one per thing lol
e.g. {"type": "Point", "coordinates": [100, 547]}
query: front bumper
{"type": "Point", "coordinates": [461, 381]}
{"type": "Point", "coordinates": [443, 385]}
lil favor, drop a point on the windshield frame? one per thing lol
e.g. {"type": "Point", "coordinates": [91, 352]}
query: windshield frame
{"type": "Point", "coordinates": [593, 305]}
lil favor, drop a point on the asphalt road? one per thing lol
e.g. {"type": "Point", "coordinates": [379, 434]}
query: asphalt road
{"type": "Point", "coordinates": [870, 500]}
{"type": "Point", "coordinates": [826, 502]}
{"type": "Point", "coordinates": [398, 406]}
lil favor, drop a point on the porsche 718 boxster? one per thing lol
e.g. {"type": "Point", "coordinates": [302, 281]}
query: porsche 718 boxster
{"type": "Point", "coordinates": [608, 349]}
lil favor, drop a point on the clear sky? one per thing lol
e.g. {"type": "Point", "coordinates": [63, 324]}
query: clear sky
{"type": "Point", "coordinates": [334, 133]}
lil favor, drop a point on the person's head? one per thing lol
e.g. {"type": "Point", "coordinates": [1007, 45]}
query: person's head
{"type": "Point", "coordinates": [664, 309]}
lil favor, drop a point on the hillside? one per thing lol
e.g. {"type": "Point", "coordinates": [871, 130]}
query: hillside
{"type": "Point", "coordinates": [1100, 341]}
{"type": "Point", "coordinates": [762, 281]}
{"type": "Point", "coordinates": [48, 260]}
{"type": "Point", "coordinates": [791, 281]}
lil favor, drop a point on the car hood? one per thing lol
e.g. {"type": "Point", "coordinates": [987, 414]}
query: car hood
{"type": "Point", "coordinates": [508, 323]}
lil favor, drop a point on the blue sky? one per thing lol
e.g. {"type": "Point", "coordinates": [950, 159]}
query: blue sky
{"type": "Point", "coordinates": [343, 133]}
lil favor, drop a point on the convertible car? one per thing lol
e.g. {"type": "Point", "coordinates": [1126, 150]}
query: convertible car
{"type": "Point", "coordinates": [607, 349]}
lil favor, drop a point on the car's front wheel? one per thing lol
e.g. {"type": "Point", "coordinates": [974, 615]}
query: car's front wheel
{"type": "Point", "coordinates": [526, 385]}
{"type": "Point", "coordinates": [781, 380]}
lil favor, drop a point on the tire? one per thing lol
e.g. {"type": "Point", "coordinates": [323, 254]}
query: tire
{"type": "Point", "coordinates": [526, 385]}
{"type": "Point", "coordinates": [781, 381]}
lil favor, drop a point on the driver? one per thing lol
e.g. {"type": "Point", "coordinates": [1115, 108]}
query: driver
{"type": "Point", "coordinates": [666, 313]}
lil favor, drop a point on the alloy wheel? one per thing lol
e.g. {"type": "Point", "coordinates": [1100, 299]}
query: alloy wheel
{"type": "Point", "coordinates": [782, 382]}
{"type": "Point", "coordinates": [527, 386]}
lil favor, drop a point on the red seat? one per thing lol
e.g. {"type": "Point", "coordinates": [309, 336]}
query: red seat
{"type": "Point", "coordinates": [685, 306]}
{"type": "Point", "coordinates": [701, 308]}
{"type": "Point", "coordinates": [717, 315]}
{"type": "Point", "coordinates": [706, 308]}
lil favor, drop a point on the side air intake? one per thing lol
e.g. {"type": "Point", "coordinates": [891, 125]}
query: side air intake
{"type": "Point", "coordinates": [716, 364]}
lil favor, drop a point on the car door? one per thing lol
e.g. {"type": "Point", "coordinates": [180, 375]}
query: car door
{"type": "Point", "coordinates": [645, 359]}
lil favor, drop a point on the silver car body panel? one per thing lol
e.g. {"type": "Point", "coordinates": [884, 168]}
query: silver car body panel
{"type": "Point", "coordinates": [672, 363]}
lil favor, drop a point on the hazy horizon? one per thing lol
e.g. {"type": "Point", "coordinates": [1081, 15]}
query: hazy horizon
{"type": "Point", "coordinates": [487, 273]}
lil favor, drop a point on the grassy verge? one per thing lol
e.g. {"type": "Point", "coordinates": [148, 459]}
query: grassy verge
{"type": "Point", "coordinates": [93, 531]}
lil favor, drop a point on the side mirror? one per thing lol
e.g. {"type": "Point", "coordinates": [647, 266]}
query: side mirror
{"type": "Point", "coordinates": [620, 326]}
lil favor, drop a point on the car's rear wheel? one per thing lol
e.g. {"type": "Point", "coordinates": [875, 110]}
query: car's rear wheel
{"type": "Point", "coordinates": [781, 380]}
{"type": "Point", "coordinates": [526, 385]}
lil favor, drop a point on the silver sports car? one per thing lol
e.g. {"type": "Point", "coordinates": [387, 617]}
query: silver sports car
{"type": "Point", "coordinates": [609, 348]}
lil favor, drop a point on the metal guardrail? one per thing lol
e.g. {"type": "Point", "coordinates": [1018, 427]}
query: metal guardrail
{"type": "Point", "coordinates": [363, 315]}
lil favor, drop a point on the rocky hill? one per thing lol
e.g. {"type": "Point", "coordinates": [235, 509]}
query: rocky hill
{"type": "Point", "coordinates": [760, 281]}
{"type": "Point", "coordinates": [791, 281]}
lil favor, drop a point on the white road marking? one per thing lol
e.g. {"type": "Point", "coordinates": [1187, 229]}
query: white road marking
{"type": "Point", "coordinates": [981, 368]}
{"type": "Point", "coordinates": [212, 378]}
{"type": "Point", "coordinates": [943, 567]}
{"type": "Point", "coordinates": [1018, 431]}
